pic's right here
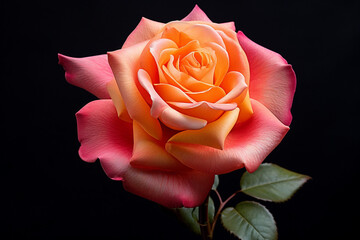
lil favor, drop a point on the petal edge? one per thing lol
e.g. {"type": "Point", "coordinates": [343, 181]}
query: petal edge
{"type": "Point", "coordinates": [273, 80]}
{"type": "Point", "coordinates": [90, 73]}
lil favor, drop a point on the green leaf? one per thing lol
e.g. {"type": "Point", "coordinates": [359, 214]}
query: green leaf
{"type": "Point", "coordinates": [190, 216]}
{"type": "Point", "coordinates": [211, 211]}
{"type": "Point", "coordinates": [185, 215]}
{"type": "Point", "coordinates": [272, 183]}
{"type": "Point", "coordinates": [249, 221]}
{"type": "Point", "coordinates": [216, 183]}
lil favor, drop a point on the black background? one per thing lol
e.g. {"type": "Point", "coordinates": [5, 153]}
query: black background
{"type": "Point", "coordinates": [49, 192]}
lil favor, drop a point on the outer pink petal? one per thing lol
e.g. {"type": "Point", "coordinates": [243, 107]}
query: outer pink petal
{"type": "Point", "coordinates": [272, 81]}
{"type": "Point", "coordinates": [196, 15]}
{"type": "Point", "coordinates": [100, 132]}
{"type": "Point", "coordinates": [188, 189]}
{"type": "Point", "coordinates": [103, 135]}
{"type": "Point", "coordinates": [89, 73]}
{"type": "Point", "coordinates": [145, 30]}
{"type": "Point", "coordinates": [246, 145]}
{"type": "Point", "coordinates": [199, 15]}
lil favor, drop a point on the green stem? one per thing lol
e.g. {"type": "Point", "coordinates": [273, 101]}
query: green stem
{"type": "Point", "coordinates": [207, 229]}
{"type": "Point", "coordinates": [204, 220]}
{"type": "Point", "coordinates": [221, 206]}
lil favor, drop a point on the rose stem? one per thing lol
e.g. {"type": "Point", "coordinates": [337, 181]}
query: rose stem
{"type": "Point", "coordinates": [221, 206]}
{"type": "Point", "coordinates": [204, 220]}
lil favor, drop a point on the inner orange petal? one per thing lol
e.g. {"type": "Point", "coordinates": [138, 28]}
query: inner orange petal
{"type": "Point", "coordinates": [150, 154]}
{"type": "Point", "coordinates": [234, 86]}
{"type": "Point", "coordinates": [165, 55]}
{"type": "Point", "coordinates": [148, 63]}
{"type": "Point", "coordinates": [237, 57]}
{"type": "Point", "coordinates": [170, 93]}
{"type": "Point", "coordinates": [204, 110]}
{"type": "Point", "coordinates": [204, 34]}
{"type": "Point", "coordinates": [180, 38]}
{"type": "Point", "coordinates": [183, 80]}
{"type": "Point", "coordinates": [246, 110]}
{"type": "Point", "coordinates": [124, 64]}
{"type": "Point", "coordinates": [200, 65]}
{"type": "Point", "coordinates": [179, 121]}
{"type": "Point", "coordinates": [119, 104]}
{"type": "Point", "coordinates": [212, 135]}
{"type": "Point", "coordinates": [222, 62]}
{"type": "Point", "coordinates": [188, 48]}
{"type": "Point", "coordinates": [208, 76]}
{"type": "Point", "coordinates": [212, 95]}
{"type": "Point", "coordinates": [156, 48]}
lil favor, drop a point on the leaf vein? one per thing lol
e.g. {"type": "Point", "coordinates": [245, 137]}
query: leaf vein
{"type": "Point", "coordinates": [250, 224]}
{"type": "Point", "coordinates": [274, 182]}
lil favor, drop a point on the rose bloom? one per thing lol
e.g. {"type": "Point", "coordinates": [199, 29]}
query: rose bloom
{"type": "Point", "coordinates": [179, 103]}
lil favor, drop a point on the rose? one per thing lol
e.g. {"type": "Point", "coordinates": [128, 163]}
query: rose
{"type": "Point", "coordinates": [190, 99]}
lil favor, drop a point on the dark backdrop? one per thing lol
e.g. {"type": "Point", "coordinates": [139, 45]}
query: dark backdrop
{"type": "Point", "coordinates": [50, 192]}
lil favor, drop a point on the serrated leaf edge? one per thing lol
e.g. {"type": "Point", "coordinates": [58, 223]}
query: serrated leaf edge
{"type": "Point", "coordinates": [299, 176]}
{"type": "Point", "coordinates": [277, 201]}
{"type": "Point", "coordinates": [256, 203]}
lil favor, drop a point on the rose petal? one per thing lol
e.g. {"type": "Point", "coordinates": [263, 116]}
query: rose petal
{"type": "Point", "coordinates": [165, 51]}
{"type": "Point", "coordinates": [217, 106]}
{"type": "Point", "coordinates": [234, 85]}
{"type": "Point", "coordinates": [237, 58]}
{"type": "Point", "coordinates": [222, 62]}
{"type": "Point", "coordinates": [124, 64]}
{"type": "Point", "coordinates": [89, 73]}
{"type": "Point", "coordinates": [187, 74]}
{"type": "Point", "coordinates": [204, 34]}
{"type": "Point", "coordinates": [199, 15]}
{"type": "Point", "coordinates": [149, 64]}
{"type": "Point", "coordinates": [115, 95]}
{"type": "Point", "coordinates": [203, 70]}
{"type": "Point", "coordinates": [168, 116]}
{"type": "Point", "coordinates": [145, 30]}
{"type": "Point", "coordinates": [227, 27]}
{"type": "Point", "coordinates": [273, 81]}
{"type": "Point", "coordinates": [170, 93]}
{"type": "Point", "coordinates": [159, 45]}
{"type": "Point", "coordinates": [201, 31]}
{"type": "Point", "coordinates": [230, 25]}
{"type": "Point", "coordinates": [238, 62]}
{"type": "Point", "coordinates": [179, 121]}
{"type": "Point", "coordinates": [212, 135]}
{"type": "Point", "coordinates": [156, 48]}
{"type": "Point", "coordinates": [247, 144]}
{"type": "Point", "coordinates": [101, 132]}
{"type": "Point", "coordinates": [173, 31]}
{"type": "Point", "coordinates": [150, 153]}
{"type": "Point", "coordinates": [213, 94]}
{"type": "Point", "coordinates": [158, 105]}
{"type": "Point", "coordinates": [196, 15]}
{"type": "Point", "coordinates": [246, 110]}
{"type": "Point", "coordinates": [184, 81]}
{"type": "Point", "coordinates": [191, 46]}
{"type": "Point", "coordinates": [203, 110]}
{"type": "Point", "coordinates": [103, 135]}
{"type": "Point", "coordinates": [171, 189]}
